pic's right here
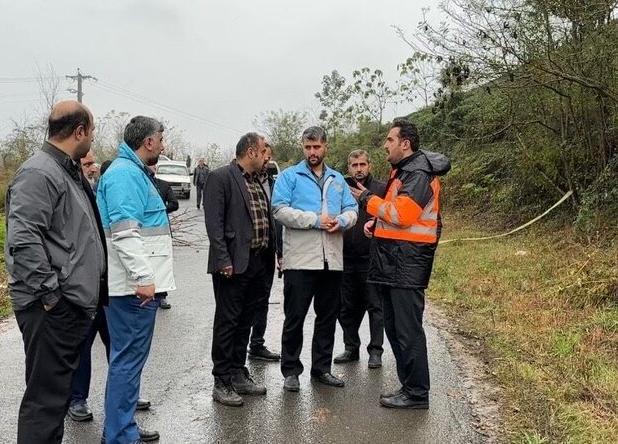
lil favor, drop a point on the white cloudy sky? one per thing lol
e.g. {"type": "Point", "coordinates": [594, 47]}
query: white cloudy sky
{"type": "Point", "coordinates": [223, 62]}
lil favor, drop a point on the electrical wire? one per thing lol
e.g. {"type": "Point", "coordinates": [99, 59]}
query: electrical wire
{"type": "Point", "coordinates": [123, 92]}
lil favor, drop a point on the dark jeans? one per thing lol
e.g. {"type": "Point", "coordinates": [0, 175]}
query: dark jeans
{"type": "Point", "coordinates": [356, 298]}
{"type": "Point", "coordinates": [199, 189]}
{"type": "Point", "coordinates": [403, 322]}
{"type": "Point", "coordinates": [299, 288]}
{"type": "Point", "coordinates": [80, 387]}
{"type": "Point", "coordinates": [261, 308]}
{"type": "Point", "coordinates": [51, 342]}
{"type": "Point", "coordinates": [236, 299]}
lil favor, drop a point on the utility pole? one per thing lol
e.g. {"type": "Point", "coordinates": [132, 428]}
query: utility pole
{"type": "Point", "coordinates": [80, 78]}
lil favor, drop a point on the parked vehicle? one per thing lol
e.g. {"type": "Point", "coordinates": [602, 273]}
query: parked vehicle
{"type": "Point", "coordinates": [177, 175]}
{"type": "Point", "coordinates": [273, 169]}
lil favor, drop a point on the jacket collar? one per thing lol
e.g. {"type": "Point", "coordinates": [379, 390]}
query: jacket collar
{"type": "Point", "coordinates": [238, 176]}
{"type": "Point", "coordinates": [126, 152]}
{"type": "Point", "coordinates": [303, 168]}
{"type": "Point", "coordinates": [64, 160]}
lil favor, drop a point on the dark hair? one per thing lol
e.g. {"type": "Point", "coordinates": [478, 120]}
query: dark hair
{"type": "Point", "coordinates": [140, 128]}
{"type": "Point", "coordinates": [358, 153]}
{"type": "Point", "coordinates": [314, 133]}
{"type": "Point", "coordinates": [61, 127]}
{"type": "Point", "coordinates": [104, 166]}
{"type": "Point", "coordinates": [407, 131]}
{"type": "Point", "coordinates": [246, 141]}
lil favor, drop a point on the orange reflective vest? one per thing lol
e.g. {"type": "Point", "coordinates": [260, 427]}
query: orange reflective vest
{"type": "Point", "coordinates": [400, 217]}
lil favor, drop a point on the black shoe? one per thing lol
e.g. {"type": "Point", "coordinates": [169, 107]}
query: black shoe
{"type": "Point", "coordinates": [403, 401]}
{"type": "Point", "coordinates": [291, 383]}
{"type": "Point", "coordinates": [245, 385]}
{"type": "Point", "coordinates": [346, 356]}
{"type": "Point", "coordinates": [375, 360]}
{"type": "Point", "coordinates": [263, 354]}
{"type": "Point", "coordinates": [142, 404]}
{"type": "Point", "coordinates": [163, 304]}
{"type": "Point", "coordinates": [80, 412]}
{"type": "Point", "coordinates": [329, 379]}
{"type": "Point", "coordinates": [224, 393]}
{"type": "Point", "coordinates": [391, 394]}
{"type": "Point", "coordinates": [147, 435]}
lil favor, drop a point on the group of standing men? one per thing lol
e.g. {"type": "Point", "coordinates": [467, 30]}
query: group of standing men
{"type": "Point", "coordinates": [343, 274]}
{"type": "Point", "coordinates": [69, 254]}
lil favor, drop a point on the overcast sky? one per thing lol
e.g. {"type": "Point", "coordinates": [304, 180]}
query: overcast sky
{"type": "Point", "coordinates": [223, 62]}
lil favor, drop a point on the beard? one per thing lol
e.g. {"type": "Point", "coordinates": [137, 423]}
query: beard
{"type": "Point", "coordinates": [315, 160]}
{"type": "Point", "coordinates": [360, 176]}
{"type": "Point", "coordinates": [153, 160]}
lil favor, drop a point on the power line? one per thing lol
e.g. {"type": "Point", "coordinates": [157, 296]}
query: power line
{"type": "Point", "coordinates": [118, 90]}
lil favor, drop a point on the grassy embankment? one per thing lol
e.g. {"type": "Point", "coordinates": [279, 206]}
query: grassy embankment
{"type": "Point", "coordinates": [545, 308]}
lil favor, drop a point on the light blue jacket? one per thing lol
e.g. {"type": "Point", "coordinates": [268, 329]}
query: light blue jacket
{"type": "Point", "coordinates": [298, 201]}
{"type": "Point", "coordinates": [136, 225]}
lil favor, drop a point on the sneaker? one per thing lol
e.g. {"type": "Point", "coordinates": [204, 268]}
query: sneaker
{"type": "Point", "coordinates": [224, 393]}
{"type": "Point", "coordinates": [263, 354]}
{"type": "Point", "coordinates": [163, 304]}
{"type": "Point", "coordinates": [346, 356]}
{"type": "Point", "coordinates": [142, 404]}
{"type": "Point", "coordinates": [80, 412]}
{"type": "Point", "coordinates": [245, 385]}
{"type": "Point", "coordinates": [291, 383]}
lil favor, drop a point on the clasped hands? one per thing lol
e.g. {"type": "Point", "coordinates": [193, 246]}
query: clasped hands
{"type": "Point", "coordinates": [330, 224]}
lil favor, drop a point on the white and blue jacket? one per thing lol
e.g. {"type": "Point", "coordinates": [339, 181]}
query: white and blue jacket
{"type": "Point", "coordinates": [298, 201]}
{"type": "Point", "coordinates": [137, 230]}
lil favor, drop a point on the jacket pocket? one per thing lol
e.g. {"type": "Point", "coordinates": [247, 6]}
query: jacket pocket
{"type": "Point", "coordinates": [157, 249]}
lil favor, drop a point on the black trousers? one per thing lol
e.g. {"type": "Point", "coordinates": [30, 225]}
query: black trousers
{"type": "Point", "coordinates": [236, 298]}
{"type": "Point", "coordinates": [52, 342]}
{"type": "Point", "coordinates": [299, 288]}
{"type": "Point", "coordinates": [261, 310]}
{"type": "Point", "coordinates": [358, 297]}
{"type": "Point", "coordinates": [403, 322]}
{"type": "Point", "coordinates": [80, 386]}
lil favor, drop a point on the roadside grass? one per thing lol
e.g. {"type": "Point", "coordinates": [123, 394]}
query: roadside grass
{"type": "Point", "coordinates": [5, 304]}
{"type": "Point", "coordinates": [545, 308]}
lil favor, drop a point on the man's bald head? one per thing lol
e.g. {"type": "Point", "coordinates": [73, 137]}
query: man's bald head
{"type": "Point", "coordinates": [66, 117]}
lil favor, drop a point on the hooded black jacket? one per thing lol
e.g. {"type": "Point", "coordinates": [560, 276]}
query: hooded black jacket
{"type": "Point", "coordinates": [399, 263]}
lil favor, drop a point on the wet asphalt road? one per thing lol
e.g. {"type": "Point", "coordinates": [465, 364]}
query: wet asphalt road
{"type": "Point", "coordinates": [178, 382]}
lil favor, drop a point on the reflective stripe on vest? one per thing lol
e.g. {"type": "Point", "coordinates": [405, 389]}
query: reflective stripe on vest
{"type": "Point", "coordinates": [425, 230]}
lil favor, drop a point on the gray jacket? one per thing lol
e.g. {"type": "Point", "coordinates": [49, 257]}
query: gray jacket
{"type": "Point", "coordinates": [53, 245]}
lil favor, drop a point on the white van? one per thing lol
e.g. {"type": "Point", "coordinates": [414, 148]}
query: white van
{"type": "Point", "coordinates": [177, 175]}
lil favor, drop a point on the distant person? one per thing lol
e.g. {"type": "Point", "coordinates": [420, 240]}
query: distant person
{"type": "Point", "coordinates": [171, 205]}
{"type": "Point", "coordinates": [314, 204]}
{"type": "Point", "coordinates": [141, 264]}
{"type": "Point", "coordinates": [200, 176]}
{"type": "Point", "coordinates": [405, 230]}
{"type": "Point", "coordinates": [356, 296]}
{"type": "Point", "coordinates": [237, 212]}
{"type": "Point", "coordinates": [257, 348]}
{"type": "Point", "coordinates": [56, 261]}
